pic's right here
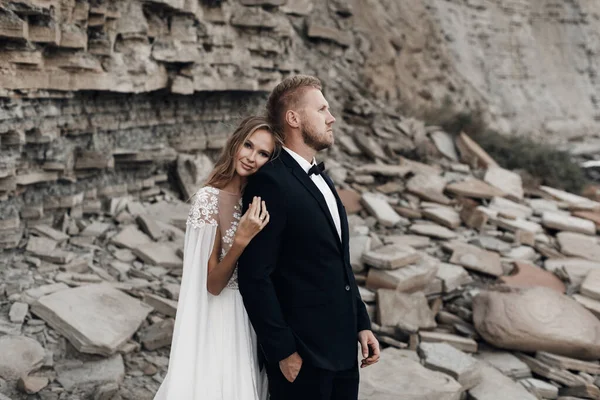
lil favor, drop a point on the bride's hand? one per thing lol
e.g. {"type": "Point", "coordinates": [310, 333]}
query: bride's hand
{"type": "Point", "coordinates": [252, 222]}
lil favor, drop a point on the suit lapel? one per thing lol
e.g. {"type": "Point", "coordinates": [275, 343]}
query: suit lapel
{"type": "Point", "coordinates": [305, 180]}
{"type": "Point", "coordinates": [341, 209]}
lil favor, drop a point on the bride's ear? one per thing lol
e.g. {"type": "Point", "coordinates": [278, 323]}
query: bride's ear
{"type": "Point", "coordinates": [292, 118]}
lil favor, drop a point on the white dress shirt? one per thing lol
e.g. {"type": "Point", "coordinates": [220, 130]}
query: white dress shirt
{"type": "Point", "coordinates": [323, 187]}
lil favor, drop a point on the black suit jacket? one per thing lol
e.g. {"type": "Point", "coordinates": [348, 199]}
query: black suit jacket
{"type": "Point", "coordinates": [295, 275]}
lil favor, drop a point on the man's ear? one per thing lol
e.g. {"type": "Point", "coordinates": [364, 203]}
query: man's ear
{"type": "Point", "coordinates": [292, 118]}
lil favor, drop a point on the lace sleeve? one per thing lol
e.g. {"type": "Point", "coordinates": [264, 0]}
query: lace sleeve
{"type": "Point", "coordinates": [205, 208]}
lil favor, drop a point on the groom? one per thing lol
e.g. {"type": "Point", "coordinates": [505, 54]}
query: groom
{"type": "Point", "coordinates": [295, 275]}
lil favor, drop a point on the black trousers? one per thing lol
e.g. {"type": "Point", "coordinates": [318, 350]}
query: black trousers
{"type": "Point", "coordinates": [314, 384]}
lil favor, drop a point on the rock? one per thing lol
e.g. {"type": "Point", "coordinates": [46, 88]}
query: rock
{"type": "Point", "coordinates": [540, 388]}
{"type": "Point", "coordinates": [370, 147]}
{"type": "Point", "coordinates": [31, 295]}
{"type": "Point", "coordinates": [445, 216]}
{"type": "Point", "coordinates": [158, 335]}
{"type": "Point", "coordinates": [571, 199]}
{"type": "Point", "coordinates": [529, 275]}
{"type": "Point", "coordinates": [428, 187]}
{"type": "Point", "coordinates": [96, 319]}
{"type": "Point", "coordinates": [552, 373]}
{"type": "Point", "coordinates": [578, 245]}
{"type": "Point", "coordinates": [90, 373]}
{"type": "Point", "coordinates": [41, 246]}
{"type": "Point", "coordinates": [541, 205]}
{"type": "Point", "coordinates": [395, 374]}
{"type": "Point", "coordinates": [584, 391]}
{"type": "Point", "coordinates": [474, 188]}
{"type": "Point", "coordinates": [50, 233]}
{"type": "Point", "coordinates": [453, 276]}
{"type": "Point", "coordinates": [131, 237]}
{"type": "Point", "coordinates": [358, 246]}
{"type": "Point", "coordinates": [506, 181]}
{"type": "Point", "coordinates": [408, 279]}
{"type": "Point", "coordinates": [351, 200]}
{"type": "Point", "coordinates": [537, 319]}
{"type": "Point", "coordinates": [590, 286]}
{"type": "Point", "coordinates": [521, 253]}
{"type": "Point", "coordinates": [495, 386]}
{"type": "Point", "coordinates": [447, 359]}
{"type": "Point", "coordinates": [445, 144]}
{"type": "Point", "coordinates": [577, 268]}
{"type": "Point", "coordinates": [506, 363]}
{"type": "Point", "coordinates": [391, 257]}
{"type": "Point", "coordinates": [471, 153]}
{"type": "Point", "coordinates": [458, 342]}
{"type": "Point", "coordinates": [590, 304]}
{"type": "Point", "coordinates": [32, 384]}
{"type": "Point", "coordinates": [409, 311]}
{"type": "Point", "coordinates": [590, 367]}
{"type": "Point", "coordinates": [95, 229]}
{"type": "Point", "coordinates": [160, 254]}
{"type": "Point", "coordinates": [476, 259]}
{"type": "Point", "coordinates": [591, 216]}
{"type": "Point", "coordinates": [571, 224]}
{"type": "Point", "coordinates": [149, 227]}
{"type": "Point", "coordinates": [518, 224]}
{"type": "Point", "coordinates": [392, 171]}
{"type": "Point", "coordinates": [316, 31]}
{"type": "Point", "coordinates": [18, 312]}
{"type": "Point", "coordinates": [160, 304]}
{"type": "Point", "coordinates": [380, 209]}
{"type": "Point", "coordinates": [20, 356]}
{"type": "Point", "coordinates": [415, 241]}
{"type": "Point", "coordinates": [510, 207]}
{"type": "Point", "coordinates": [432, 230]}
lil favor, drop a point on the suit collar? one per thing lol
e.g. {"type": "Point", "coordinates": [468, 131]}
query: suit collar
{"type": "Point", "coordinates": [305, 165]}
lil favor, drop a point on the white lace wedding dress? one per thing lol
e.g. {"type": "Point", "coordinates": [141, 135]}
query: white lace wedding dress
{"type": "Point", "coordinates": [214, 350]}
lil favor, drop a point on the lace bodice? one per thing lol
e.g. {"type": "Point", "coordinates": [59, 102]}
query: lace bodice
{"type": "Point", "coordinates": [216, 207]}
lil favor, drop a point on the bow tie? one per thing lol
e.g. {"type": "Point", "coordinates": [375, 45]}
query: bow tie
{"type": "Point", "coordinates": [317, 169]}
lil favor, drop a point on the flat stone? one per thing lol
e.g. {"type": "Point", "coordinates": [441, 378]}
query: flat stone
{"type": "Point", "coordinates": [453, 276]}
{"type": "Point", "coordinates": [577, 268]}
{"type": "Point", "coordinates": [526, 274]}
{"type": "Point", "coordinates": [414, 241]}
{"type": "Point", "coordinates": [408, 311]}
{"type": "Point", "coordinates": [491, 243]}
{"type": "Point", "coordinates": [458, 342]}
{"type": "Point", "coordinates": [381, 209]}
{"type": "Point", "coordinates": [31, 295]}
{"type": "Point", "coordinates": [521, 253]}
{"type": "Point", "coordinates": [164, 306]}
{"type": "Point", "coordinates": [358, 246]}
{"type": "Point", "coordinates": [41, 245]}
{"type": "Point", "coordinates": [391, 257]}
{"type": "Point", "coordinates": [20, 356]}
{"type": "Point", "coordinates": [370, 147]}
{"type": "Point", "coordinates": [571, 224]}
{"type": "Point", "coordinates": [445, 144]}
{"type": "Point", "coordinates": [495, 386]}
{"type": "Point", "coordinates": [505, 180]}
{"type": "Point", "coordinates": [571, 199]}
{"type": "Point", "coordinates": [88, 374]}
{"type": "Point", "coordinates": [540, 388]}
{"type": "Point", "coordinates": [537, 319]}
{"type": "Point", "coordinates": [298, 7]}
{"type": "Point", "coordinates": [539, 206]}
{"type": "Point", "coordinates": [95, 229]}
{"type": "Point", "coordinates": [505, 362]}
{"type": "Point", "coordinates": [590, 367]}
{"type": "Point", "coordinates": [32, 384]}
{"type": "Point", "coordinates": [579, 245]}
{"type": "Point", "coordinates": [588, 391]}
{"type": "Point", "coordinates": [428, 187]}
{"type": "Point", "coordinates": [408, 279]}
{"type": "Point", "coordinates": [475, 258]}
{"type": "Point", "coordinates": [351, 200]}
{"type": "Point", "coordinates": [159, 254]}
{"type": "Point", "coordinates": [445, 216]}
{"type": "Point", "coordinates": [552, 373]}
{"type": "Point", "coordinates": [96, 319]}
{"type": "Point", "coordinates": [590, 216]}
{"type": "Point", "coordinates": [50, 233]}
{"type": "Point", "coordinates": [472, 154]}
{"type": "Point", "coordinates": [316, 31]}
{"type": "Point", "coordinates": [158, 335]}
{"type": "Point", "coordinates": [150, 227]}
{"type": "Point", "coordinates": [395, 374]}
{"type": "Point", "coordinates": [18, 312]}
{"type": "Point", "coordinates": [392, 171]}
{"type": "Point", "coordinates": [510, 207]}
{"type": "Point", "coordinates": [590, 286]}
{"type": "Point", "coordinates": [518, 224]}
{"type": "Point", "coordinates": [131, 237]}
{"type": "Point", "coordinates": [474, 188]}
{"type": "Point", "coordinates": [432, 230]}
{"type": "Point", "coordinates": [591, 304]}
{"type": "Point", "coordinates": [447, 359]}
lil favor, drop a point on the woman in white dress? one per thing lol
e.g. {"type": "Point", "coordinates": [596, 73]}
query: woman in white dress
{"type": "Point", "coordinates": [214, 351]}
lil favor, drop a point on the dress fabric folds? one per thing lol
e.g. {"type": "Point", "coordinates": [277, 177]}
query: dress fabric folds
{"type": "Point", "coordinates": [213, 351]}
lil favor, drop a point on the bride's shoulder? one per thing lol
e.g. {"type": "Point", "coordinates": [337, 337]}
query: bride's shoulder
{"type": "Point", "coordinates": [205, 207]}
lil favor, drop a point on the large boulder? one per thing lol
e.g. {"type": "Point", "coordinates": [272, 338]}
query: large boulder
{"type": "Point", "coordinates": [537, 319]}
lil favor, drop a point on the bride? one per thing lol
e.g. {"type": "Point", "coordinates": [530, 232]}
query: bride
{"type": "Point", "coordinates": [214, 350]}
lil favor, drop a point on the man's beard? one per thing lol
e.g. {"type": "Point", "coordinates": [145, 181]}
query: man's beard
{"type": "Point", "coordinates": [313, 141]}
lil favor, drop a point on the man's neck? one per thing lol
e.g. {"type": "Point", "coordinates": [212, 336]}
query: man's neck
{"type": "Point", "coordinates": [302, 150]}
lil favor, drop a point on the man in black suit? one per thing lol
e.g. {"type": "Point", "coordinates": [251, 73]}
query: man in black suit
{"type": "Point", "coordinates": [295, 276]}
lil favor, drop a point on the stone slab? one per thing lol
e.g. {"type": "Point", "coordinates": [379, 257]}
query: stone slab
{"type": "Point", "coordinates": [408, 311]}
{"type": "Point", "coordinates": [445, 358]}
{"type": "Point", "coordinates": [20, 356]}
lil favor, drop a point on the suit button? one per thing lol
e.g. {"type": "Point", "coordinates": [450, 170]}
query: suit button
{"type": "Point", "coordinates": [347, 288]}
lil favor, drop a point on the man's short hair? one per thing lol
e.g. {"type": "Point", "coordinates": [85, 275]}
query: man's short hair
{"type": "Point", "coordinates": [286, 95]}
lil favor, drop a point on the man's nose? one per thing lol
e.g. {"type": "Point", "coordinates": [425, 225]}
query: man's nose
{"type": "Point", "coordinates": [331, 119]}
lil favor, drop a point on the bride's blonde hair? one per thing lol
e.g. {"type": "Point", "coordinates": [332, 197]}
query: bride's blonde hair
{"type": "Point", "coordinates": [224, 169]}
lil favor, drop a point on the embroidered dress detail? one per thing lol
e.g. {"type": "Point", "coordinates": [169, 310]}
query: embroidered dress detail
{"type": "Point", "coordinates": [227, 242]}
{"type": "Point", "coordinates": [205, 208]}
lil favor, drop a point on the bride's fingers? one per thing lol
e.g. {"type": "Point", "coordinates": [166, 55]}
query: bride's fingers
{"type": "Point", "coordinates": [256, 207]}
{"type": "Point", "coordinates": [263, 210]}
{"type": "Point", "coordinates": [265, 221]}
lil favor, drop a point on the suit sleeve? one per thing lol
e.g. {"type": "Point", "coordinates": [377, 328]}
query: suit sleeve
{"type": "Point", "coordinates": [363, 321]}
{"type": "Point", "coordinates": [255, 266]}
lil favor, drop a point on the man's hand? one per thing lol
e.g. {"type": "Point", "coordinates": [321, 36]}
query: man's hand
{"type": "Point", "coordinates": [290, 367]}
{"type": "Point", "coordinates": [370, 348]}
